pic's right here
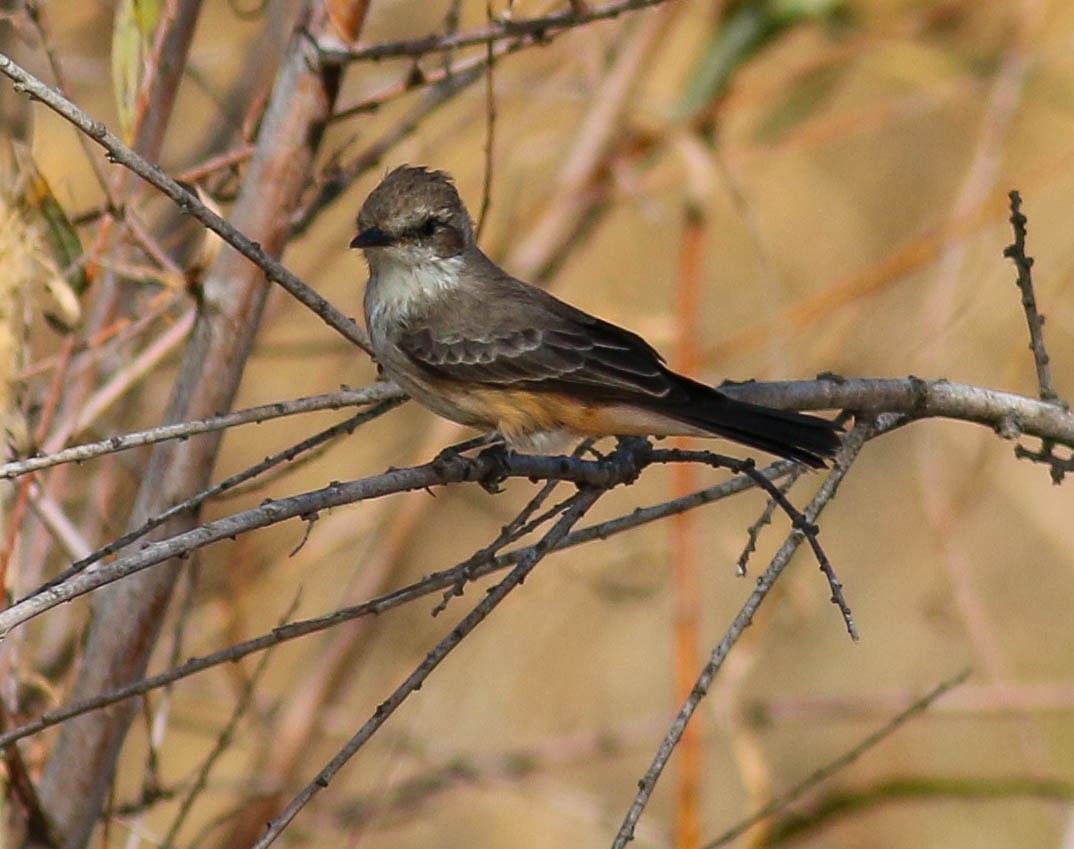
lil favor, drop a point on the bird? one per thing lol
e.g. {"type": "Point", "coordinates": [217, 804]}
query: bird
{"type": "Point", "coordinates": [476, 345]}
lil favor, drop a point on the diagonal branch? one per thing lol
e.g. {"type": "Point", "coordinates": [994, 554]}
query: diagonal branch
{"type": "Point", "coordinates": [185, 200]}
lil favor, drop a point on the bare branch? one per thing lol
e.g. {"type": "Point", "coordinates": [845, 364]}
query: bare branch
{"type": "Point", "coordinates": [186, 201]}
{"type": "Point", "coordinates": [190, 504]}
{"type": "Point", "coordinates": [80, 453]}
{"type": "Point", "coordinates": [478, 565]}
{"type": "Point", "coordinates": [1004, 412]}
{"type": "Point", "coordinates": [801, 524]}
{"type": "Point", "coordinates": [1017, 253]}
{"type": "Point", "coordinates": [1008, 414]}
{"type": "Point", "coordinates": [919, 398]}
{"type": "Point", "coordinates": [454, 469]}
{"type": "Point", "coordinates": [537, 29]}
{"type": "Point", "coordinates": [223, 740]}
{"type": "Point", "coordinates": [753, 532]}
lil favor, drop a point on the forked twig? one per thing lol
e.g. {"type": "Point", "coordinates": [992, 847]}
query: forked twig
{"type": "Point", "coordinates": [1016, 252]}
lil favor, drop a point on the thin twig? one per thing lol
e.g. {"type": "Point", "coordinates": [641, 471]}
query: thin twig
{"type": "Point", "coordinates": [916, 789]}
{"type": "Point", "coordinates": [523, 523]}
{"type": "Point", "coordinates": [223, 740]}
{"type": "Point", "coordinates": [52, 516]}
{"type": "Point", "coordinates": [490, 131]}
{"type": "Point", "coordinates": [801, 523]}
{"type": "Point", "coordinates": [411, 81]}
{"type": "Point", "coordinates": [852, 445]}
{"type": "Point", "coordinates": [22, 788]}
{"type": "Point", "coordinates": [121, 382]}
{"type": "Point", "coordinates": [540, 29]}
{"type": "Point", "coordinates": [832, 767]}
{"type": "Point", "coordinates": [122, 442]}
{"type": "Point", "coordinates": [342, 177]}
{"type": "Point", "coordinates": [754, 530]}
{"type": "Point", "coordinates": [36, 13]}
{"type": "Point", "coordinates": [518, 527]}
{"type": "Point", "coordinates": [1058, 466]}
{"type": "Point", "coordinates": [1016, 252]}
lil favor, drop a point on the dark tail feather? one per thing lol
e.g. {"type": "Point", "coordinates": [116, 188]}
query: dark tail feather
{"type": "Point", "coordinates": [796, 436]}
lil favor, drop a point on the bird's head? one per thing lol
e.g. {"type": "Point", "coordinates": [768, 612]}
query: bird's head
{"type": "Point", "coordinates": [415, 216]}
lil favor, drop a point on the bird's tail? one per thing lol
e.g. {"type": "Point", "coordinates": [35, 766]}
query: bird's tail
{"type": "Point", "coordinates": [796, 436]}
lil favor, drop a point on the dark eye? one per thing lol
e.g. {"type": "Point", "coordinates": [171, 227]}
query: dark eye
{"type": "Point", "coordinates": [428, 227]}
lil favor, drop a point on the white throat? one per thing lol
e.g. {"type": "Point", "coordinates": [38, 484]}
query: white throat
{"type": "Point", "coordinates": [400, 281]}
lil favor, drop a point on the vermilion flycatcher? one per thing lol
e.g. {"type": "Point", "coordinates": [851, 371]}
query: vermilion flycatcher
{"type": "Point", "coordinates": [469, 341]}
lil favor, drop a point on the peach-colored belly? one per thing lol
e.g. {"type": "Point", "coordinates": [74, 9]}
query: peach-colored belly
{"type": "Point", "coordinates": [518, 413]}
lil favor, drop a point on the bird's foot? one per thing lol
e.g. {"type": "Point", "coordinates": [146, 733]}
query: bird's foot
{"type": "Point", "coordinates": [498, 468]}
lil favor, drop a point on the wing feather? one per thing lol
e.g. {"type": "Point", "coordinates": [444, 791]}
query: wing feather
{"type": "Point", "coordinates": [528, 339]}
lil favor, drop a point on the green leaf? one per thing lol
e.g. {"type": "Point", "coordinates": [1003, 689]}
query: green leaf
{"type": "Point", "coordinates": [745, 28]}
{"type": "Point", "coordinates": [132, 40]}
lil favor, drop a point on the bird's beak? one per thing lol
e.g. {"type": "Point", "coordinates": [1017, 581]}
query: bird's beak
{"type": "Point", "coordinates": [371, 237]}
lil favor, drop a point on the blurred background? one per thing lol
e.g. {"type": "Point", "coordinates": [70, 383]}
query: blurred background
{"type": "Point", "coordinates": [840, 171]}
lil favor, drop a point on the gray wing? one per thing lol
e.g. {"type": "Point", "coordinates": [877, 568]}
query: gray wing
{"type": "Point", "coordinates": [518, 336]}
